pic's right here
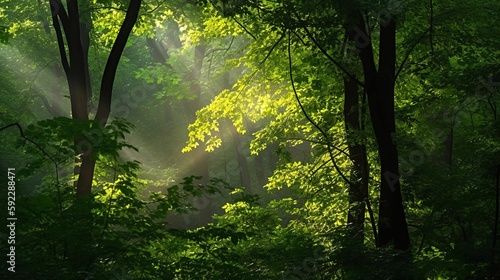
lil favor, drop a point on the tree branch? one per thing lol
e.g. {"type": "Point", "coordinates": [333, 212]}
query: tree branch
{"type": "Point", "coordinates": [244, 28]}
{"type": "Point", "coordinates": [23, 136]}
{"type": "Point", "coordinates": [108, 77]}
{"type": "Point", "coordinates": [409, 52]}
{"type": "Point", "coordinates": [318, 45]}
{"type": "Point", "coordinates": [58, 11]}
{"type": "Point", "coordinates": [330, 152]}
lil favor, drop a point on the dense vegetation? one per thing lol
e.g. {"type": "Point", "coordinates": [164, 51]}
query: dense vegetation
{"type": "Point", "coordinates": [250, 139]}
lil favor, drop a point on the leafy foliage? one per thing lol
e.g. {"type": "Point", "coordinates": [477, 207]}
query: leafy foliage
{"type": "Point", "coordinates": [296, 226]}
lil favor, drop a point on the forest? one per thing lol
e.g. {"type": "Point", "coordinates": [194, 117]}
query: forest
{"type": "Point", "coordinates": [250, 139]}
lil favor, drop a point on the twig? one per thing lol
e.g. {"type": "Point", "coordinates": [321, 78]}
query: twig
{"type": "Point", "coordinates": [244, 28]}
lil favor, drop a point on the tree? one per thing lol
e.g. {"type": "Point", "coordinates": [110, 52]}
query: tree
{"type": "Point", "coordinates": [76, 68]}
{"type": "Point", "coordinates": [379, 86]}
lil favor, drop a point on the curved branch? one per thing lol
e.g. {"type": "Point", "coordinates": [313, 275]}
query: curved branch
{"type": "Point", "coordinates": [272, 48]}
{"type": "Point", "coordinates": [56, 166]}
{"type": "Point", "coordinates": [330, 152]}
{"type": "Point", "coordinates": [21, 133]}
{"type": "Point", "coordinates": [409, 52]}
{"type": "Point", "coordinates": [341, 151]}
{"type": "Point", "coordinates": [244, 28]}
{"type": "Point", "coordinates": [57, 9]}
{"type": "Point", "coordinates": [264, 60]}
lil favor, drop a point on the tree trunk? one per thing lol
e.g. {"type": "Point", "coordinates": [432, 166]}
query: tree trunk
{"type": "Point", "coordinates": [85, 28]}
{"type": "Point", "coordinates": [379, 86]}
{"type": "Point", "coordinates": [358, 189]}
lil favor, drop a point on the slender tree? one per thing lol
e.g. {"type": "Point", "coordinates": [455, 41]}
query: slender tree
{"type": "Point", "coordinates": [67, 21]}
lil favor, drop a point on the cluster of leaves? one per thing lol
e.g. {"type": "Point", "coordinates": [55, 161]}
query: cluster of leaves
{"type": "Point", "coordinates": [95, 237]}
{"type": "Point", "coordinates": [448, 203]}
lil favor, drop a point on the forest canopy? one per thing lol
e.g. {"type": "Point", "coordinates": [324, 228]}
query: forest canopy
{"type": "Point", "coordinates": [250, 139]}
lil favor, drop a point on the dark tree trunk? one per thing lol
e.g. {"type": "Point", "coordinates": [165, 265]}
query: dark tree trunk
{"type": "Point", "coordinates": [76, 78]}
{"type": "Point", "coordinates": [85, 28]}
{"type": "Point", "coordinates": [358, 189]}
{"type": "Point", "coordinates": [379, 86]}
{"type": "Point", "coordinates": [392, 219]}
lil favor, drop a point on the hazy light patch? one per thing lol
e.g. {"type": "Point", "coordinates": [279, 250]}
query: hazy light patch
{"type": "Point", "coordinates": [153, 165]}
{"type": "Point", "coordinates": [42, 83]}
{"type": "Point", "coordinates": [157, 164]}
